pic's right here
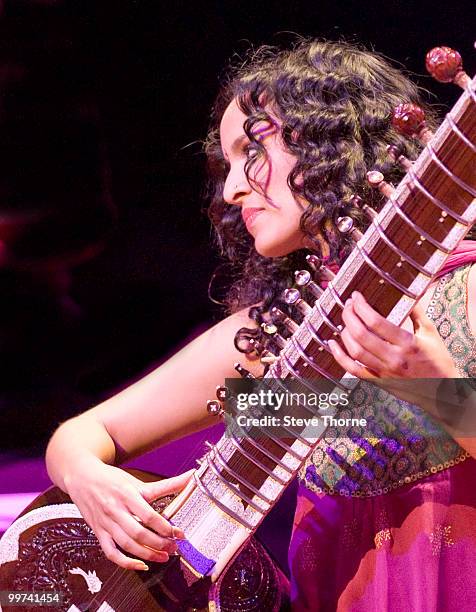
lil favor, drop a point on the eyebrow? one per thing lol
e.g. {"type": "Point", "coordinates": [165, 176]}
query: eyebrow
{"type": "Point", "coordinates": [236, 145]}
{"type": "Point", "coordinates": [263, 131]}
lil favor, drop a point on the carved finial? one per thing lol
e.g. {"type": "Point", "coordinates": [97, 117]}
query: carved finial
{"type": "Point", "coordinates": [409, 120]}
{"type": "Point", "coordinates": [445, 65]}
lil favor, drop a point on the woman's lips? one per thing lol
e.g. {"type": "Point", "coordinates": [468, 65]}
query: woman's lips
{"type": "Point", "coordinates": [249, 215]}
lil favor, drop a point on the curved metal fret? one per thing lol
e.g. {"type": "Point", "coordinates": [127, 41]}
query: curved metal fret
{"type": "Point", "coordinates": [418, 229]}
{"type": "Point", "coordinates": [384, 274]}
{"type": "Point", "coordinates": [235, 490]}
{"type": "Point", "coordinates": [399, 252]}
{"type": "Point", "coordinates": [452, 176]}
{"type": "Point", "coordinates": [472, 93]}
{"type": "Point", "coordinates": [270, 455]}
{"type": "Point", "coordinates": [295, 434]}
{"type": "Point", "coordinates": [315, 336]}
{"type": "Point", "coordinates": [335, 295]}
{"type": "Point", "coordinates": [460, 134]}
{"type": "Point", "coordinates": [326, 318]}
{"type": "Point", "coordinates": [284, 446]}
{"type": "Point", "coordinates": [258, 463]}
{"type": "Point", "coordinates": [219, 457]}
{"type": "Point", "coordinates": [231, 513]}
{"type": "Point", "coordinates": [438, 203]}
{"type": "Point", "coordinates": [310, 386]}
{"type": "Point", "coordinates": [313, 365]}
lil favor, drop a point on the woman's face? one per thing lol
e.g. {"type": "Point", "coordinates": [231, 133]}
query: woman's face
{"type": "Point", "coordinates": [268, 207]}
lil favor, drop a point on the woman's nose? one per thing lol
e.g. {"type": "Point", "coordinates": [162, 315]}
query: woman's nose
{"type": "Point", "coordinates": [236, 187]}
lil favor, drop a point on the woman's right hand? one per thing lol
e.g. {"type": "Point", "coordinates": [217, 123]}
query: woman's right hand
{"type": "Point", "coordinates": [116, 506]}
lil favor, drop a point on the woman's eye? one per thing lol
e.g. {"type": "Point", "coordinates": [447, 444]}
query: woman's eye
{"type": "Point", "coordinates": [251, 151]}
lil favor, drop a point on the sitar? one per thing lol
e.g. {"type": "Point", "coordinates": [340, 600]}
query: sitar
{"type": "Point", "coordinates": [50, 549]}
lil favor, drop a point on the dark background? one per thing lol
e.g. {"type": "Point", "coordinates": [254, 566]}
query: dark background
{"type": "Point", "coordinates": [102, 108]}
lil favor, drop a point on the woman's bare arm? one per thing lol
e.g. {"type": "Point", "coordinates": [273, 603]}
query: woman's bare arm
{"type": "Point", "coordinates": [167, 404]}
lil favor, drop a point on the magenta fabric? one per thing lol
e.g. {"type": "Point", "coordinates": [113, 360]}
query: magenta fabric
{"type": "Point", "coordinates": [411, 550]}
{"type": "Point", "coordinates": [464, 253]}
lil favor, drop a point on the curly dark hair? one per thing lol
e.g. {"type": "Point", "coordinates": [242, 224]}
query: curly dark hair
{"type": "Point", "coordinates": [334, 102]}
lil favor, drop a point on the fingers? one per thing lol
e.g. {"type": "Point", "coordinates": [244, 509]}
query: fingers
{"type": "Point", "coordinates": [119, 528]}
{"type": "Point", "coordinates": [377, 324]}
{"type": "Point", "coordinates": [140, 507]}
{"type": "Point", "coordinates": [115, 505]}
{"type": "Point", "coordinates": [153, 490]}
{"type": "Point", "coordinates": [349, 364]}
{"type": "Point", "coordinates": [360, 343]}
{"type": "Point", "coordinates": [372, 346]}
{"type": "Point", "coordinates": [419, 319]}
{"type": "Point", "coordinates": [133, 542]}
{"type": "Point", "coordinates": [116, 556]}
{"type": "Point", "coordinates": [150, 518]}
{"type": "Point", "coordinates": [145, 537]}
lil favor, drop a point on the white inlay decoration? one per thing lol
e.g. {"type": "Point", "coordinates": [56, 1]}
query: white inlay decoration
{"type": "Point", "coordinates": [10, 539]}
{"type": "Point", "coordinates": [93, 582]}
{"type": "Point", "coordinates": [105, 607]}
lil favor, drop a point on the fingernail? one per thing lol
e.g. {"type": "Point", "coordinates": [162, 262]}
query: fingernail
{"type": "Point", "coordinates": [177, 533]}
{"type": "Point", "coordinates": [142, 566]}
{"type": "Point", "coordinates": [356, 295]}
{"type": "Point", "coordinates": [348, 302]}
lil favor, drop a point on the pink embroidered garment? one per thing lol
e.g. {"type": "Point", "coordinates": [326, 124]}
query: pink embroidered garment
{"type": "Point", "coordinates": [388, 524]}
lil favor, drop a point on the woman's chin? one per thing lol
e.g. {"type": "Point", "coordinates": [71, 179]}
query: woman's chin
{"type": "Point", "coordinates": [271, 248]}
{"type": "Point", "coordinates": [268, 250]}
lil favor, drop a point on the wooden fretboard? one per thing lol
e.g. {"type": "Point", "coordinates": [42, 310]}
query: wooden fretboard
{"type": "Point", "coordinates": [392, 265]}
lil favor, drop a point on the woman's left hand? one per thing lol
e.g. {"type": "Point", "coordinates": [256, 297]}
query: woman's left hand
{"type": "Point", "coordinates": [376, 348]}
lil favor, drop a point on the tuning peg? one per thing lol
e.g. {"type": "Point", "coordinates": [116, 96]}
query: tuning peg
{"type": "Point", "coordinates": [223, 393]}
{"type": "Point", "coordinates": [314, 262]}
{"type": "Point", "coordinates": [322, 271]}
{"type": "Point", "coordinates": [256, 346]}
{"type": "Point", "coordinates": [292, 297]}
{"type": "Point", "coordinates": [271, 330]}
{"type": "Point", "coordinates": [214, 408]}
{"type": "Point", "coordinates": [268, 358]}
{"type": "Point", "coordinates": [376, 179]}
{"type": "Point", "coordinates": [345, 225]}
{"type": "Point", "coordinates": [445, 65]}
{"type": "Point", "coordinates": [409, 120]}
{"type": "Point", "coordinates": [395, 154]}
{"type": "Point", "coordinates": [303, 278]}
{"type": "Point", "coordinates": [279, 316]}
{"type": "Point", "coordinates": [365, 208]}
{"type": "Point", "coordinates": [243, 372]}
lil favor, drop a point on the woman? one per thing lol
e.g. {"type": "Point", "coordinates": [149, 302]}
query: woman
{"type": "Point", "coordinates": [295, 134]}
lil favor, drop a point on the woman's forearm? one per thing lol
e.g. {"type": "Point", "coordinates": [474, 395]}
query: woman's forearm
{"type": "Point", "coordinates": [78, 444]}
